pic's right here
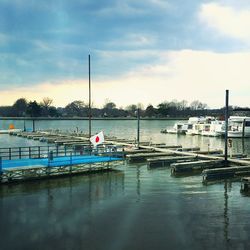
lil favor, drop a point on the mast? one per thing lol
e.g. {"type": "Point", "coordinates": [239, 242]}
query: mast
{"type": "Point", "coordinates": [90, 113]}
{"type": "Point", "coordinates": [226, 124]}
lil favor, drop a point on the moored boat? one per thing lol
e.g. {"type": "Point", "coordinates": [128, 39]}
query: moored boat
{"type": "Point", "coordinates": [178, 128]}
{"type": "Point", "coordinates": [239, 126]}
{"type": "Point", "coordinates": [7, 131]}
{"type": "Point", "coordinates": [215, 128]}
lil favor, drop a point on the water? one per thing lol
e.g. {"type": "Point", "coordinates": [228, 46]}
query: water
{"type": "Point", "coordinates": [150, 131]}
{"type": "Point", "coordinates": [130, 208]}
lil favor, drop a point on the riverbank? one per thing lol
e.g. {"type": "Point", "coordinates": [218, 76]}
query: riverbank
{"type": "Point", "coordinates": [93, 118]}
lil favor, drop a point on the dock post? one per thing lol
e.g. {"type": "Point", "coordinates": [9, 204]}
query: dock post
{"type": "Point", "coordinates": [24, 125]}
{"type": "Point", "coordinates": [70, 158]}
{"type": "Point", "coordinates": [33, 122]}
{"type": "Point", "coordinates": [226, 125]}
{"type": "Point", "coordinates": [90, 111]}
{"type": "Point", "coordinates": [20, 153]}
{"type": "Point", "coordinates": [50, 157]}
{"type": "Point", "coordinates": [1, 165]}
{"type": "Point", "coordinates": [138, 127]}
{"type": "Point", "coordinates": [29, 152]}
{"type": "Point", "coordinates": [243, 128]}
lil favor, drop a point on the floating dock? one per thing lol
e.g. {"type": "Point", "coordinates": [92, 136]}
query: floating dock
{"type": "Point", "coordinates": [224, 173]}
{"type": "Point", "coordinates": [184, 167]}
{"type": "Point", "coordinates": [29, 169]}
{"type": "Point", "coordinates": [166, 161]}
{"type": "Point", "coordinates": [181, 160]}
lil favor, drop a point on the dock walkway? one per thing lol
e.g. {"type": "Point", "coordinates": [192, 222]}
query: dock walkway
{"type": "Point", "coordinates": [180, 159]}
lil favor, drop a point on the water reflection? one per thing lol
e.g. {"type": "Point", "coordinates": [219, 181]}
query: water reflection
{"type": "Point", "coordinates": [227, 185]}
{"type": "Point", "coordinates": [138, 187]}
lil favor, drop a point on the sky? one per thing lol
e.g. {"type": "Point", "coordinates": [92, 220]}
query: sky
{"type": "Point", "coordinates": [142, 51]}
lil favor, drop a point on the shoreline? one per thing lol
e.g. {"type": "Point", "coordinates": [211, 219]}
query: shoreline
{"type": "Point", "coordinates": [93, 118]}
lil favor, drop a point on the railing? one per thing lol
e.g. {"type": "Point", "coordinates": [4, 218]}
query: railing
{"type": "Point", "coordinates": [45, 151]}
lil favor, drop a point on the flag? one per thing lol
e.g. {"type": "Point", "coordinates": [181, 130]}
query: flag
{"type": "Point", "coordinates": [97, 139]}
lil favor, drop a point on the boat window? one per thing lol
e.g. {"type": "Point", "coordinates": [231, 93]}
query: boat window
{"type": "Point", "coordinates": [247, 123]}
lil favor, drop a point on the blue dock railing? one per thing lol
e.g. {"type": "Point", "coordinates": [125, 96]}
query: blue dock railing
{"type": "Point", "coordinates": [54, 158]}
{"type": "Point", "coordinates": [39, 152]}
{"type": "Point", "coordinates": [96, 155]}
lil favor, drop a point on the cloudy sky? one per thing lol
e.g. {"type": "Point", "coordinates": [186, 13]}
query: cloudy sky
{"type": "Point", "coordinates": [142, 51]}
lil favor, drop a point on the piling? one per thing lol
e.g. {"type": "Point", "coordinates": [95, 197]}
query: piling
{"type": "Point", "coordinates": [243, 128]}
{"type": "Point", "coordinates": [138, 127]}
{"type": "Point", "coordinates": [33, 122]}
{"type": "Point", "coordinates": [245, 185]}
{"type": "Point", "coordinates": [90, 112]}
{"type": "Point", "coordinates": [1, 166]}
{"type": "Point", "coordinates": [226, 125]}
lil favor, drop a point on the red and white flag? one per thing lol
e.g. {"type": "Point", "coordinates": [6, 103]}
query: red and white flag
{"type": "Point", "coordinates": [97, 139]}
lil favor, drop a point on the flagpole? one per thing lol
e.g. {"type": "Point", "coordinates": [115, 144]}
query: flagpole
{"type": "Point", "coordinates": [89, 103]}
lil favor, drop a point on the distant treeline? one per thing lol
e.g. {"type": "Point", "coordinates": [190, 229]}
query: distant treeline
{"type": "Point", "coordinates": [172, 109]}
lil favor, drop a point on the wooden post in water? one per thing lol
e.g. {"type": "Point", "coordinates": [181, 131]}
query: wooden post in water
{"type": "Point", "coordinates": [138, 127]}
{"type": "Point", "coordinates": [226, 125]}
{"type": "Point", "coordinates": [1, 165]}
{"type": "Point", "coordinates": [24, 125]}
{"type": "Point", "coordinates": [90, 113]}
{"type": "Point", "coordinates": [33, 122]}
{"type": "Point", "coordinates": [243, 128]}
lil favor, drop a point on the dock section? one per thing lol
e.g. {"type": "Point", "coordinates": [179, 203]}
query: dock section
{"type": "Point", "coordinates": [168, 160]}
{"type": "Point", "coordinates": [184, 167]}
{"type": "Point", "coordinates": [181, 160]}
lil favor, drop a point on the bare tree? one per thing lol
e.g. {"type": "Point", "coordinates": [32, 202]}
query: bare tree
{"type": "Point", "coordinates": [47, 102]}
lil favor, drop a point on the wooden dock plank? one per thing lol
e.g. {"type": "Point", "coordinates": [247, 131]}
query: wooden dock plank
{"type": "Point", "coordinates": [183, 167]}
{"type": "Point", "coordinates": [220, 173]}
{"type": "Point", "coordinates": [166, 161]}
{"type": "Point", "coordinates": [142, 157]}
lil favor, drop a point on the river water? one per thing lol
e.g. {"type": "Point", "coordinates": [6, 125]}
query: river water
{"type": "Point", "coordinates": [129, 208]}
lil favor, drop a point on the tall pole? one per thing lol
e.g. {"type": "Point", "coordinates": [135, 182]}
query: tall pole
{"type": "Point", "coordinates": [33, 122]}
{"type": "Point", "coordinates": [138, 127]}
{"type": "Point", "coordinates": [24, 125]}
{"type": "Point", "coordinates": [226, 125]}
{"type": "Point", "coordinates": [89, 101]}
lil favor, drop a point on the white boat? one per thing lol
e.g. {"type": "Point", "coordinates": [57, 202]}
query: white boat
{"type": "Point", "coordinates": [195, 129]}
{"type": "Point", "coordinates": [178, 128]}
{"type": "Point", "coordinates": [239, 126]}
{"type": "Point", "coordinates": [207, 126]}
{"type": "Point", "coordinates": [7, 131]}
{"type": "Point", "coordinates": [215, 128]}
{"type": "Point", "coordinates": [197, 124]}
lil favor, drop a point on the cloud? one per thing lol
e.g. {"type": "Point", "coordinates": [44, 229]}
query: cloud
{"type": "Point", "coordinates": [130, 8]}
{"type": "Point", "coordinates": [133, 40]}
{"type": "Point", "coordinates": [186, 74]}
{"type": "Point", "coordinates": [226, 20]}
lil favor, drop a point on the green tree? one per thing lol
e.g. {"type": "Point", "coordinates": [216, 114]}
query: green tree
{"type": "Point", "coordinates": [19, 107]}
{"type": "Point", "coordinates": [150, 111]}
{"type": "Point", "coordinates": [109, 105]}
{"type": "Point", "coordinates": [34, 109]}
{"type": "Point", "coordinates": [131, 108]}
{"type": "Point", "coordinates": [76, 108]}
